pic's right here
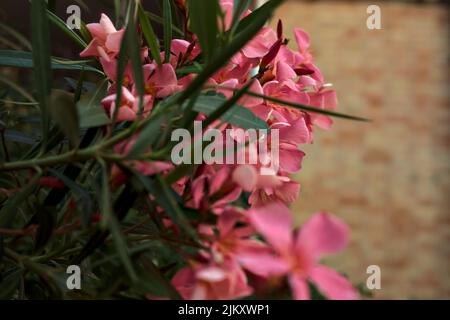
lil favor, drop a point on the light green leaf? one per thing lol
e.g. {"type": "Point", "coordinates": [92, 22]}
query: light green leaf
{"type": "Point", "coordinates": [90, 111]}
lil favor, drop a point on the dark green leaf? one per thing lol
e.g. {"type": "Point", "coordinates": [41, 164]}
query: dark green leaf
{"type": "Point", "coordinates": [63, 27]}
{"type": "Point", "coordinates": [149, 35]}
{"type": "Point", "coordinates": [135, 56]}
{"type": "Point", "coordinates": [147, 136]}
{"type": "Point", "coordinates": [41, 59]}
{"type": "Point", "coordinates": [262, 13]}
{"type": "Point", "coordinates": [82, 197]}
{"type": "Point", "coordinates": [121, 65]}
{"type": "Point", "coordinates": [23, 59]}
{"type": "Point", "coordinates": [64, 113]}
{"type": "Point", "coordinates": [236, 115]}
{"type": "Point", "coordinates": [300, 106]}
{"type": "Point", "coordinates": [164, 195]}
{"type": "Point", "coordinates": [157, 19]}
{"type": "Point", "coordinates": [240, 6]}
{"type": "Point", "coordinates": [203, 16]}
{"type": "Point", "coordinates": [153, 281]}
{"type": "Point", "coordinates": [167, 16]}
{"type": "Point", "coordinates": [113, 225]}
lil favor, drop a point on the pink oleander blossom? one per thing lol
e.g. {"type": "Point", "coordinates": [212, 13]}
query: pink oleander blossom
{"type": "Point", "coordinates": [297, 255]}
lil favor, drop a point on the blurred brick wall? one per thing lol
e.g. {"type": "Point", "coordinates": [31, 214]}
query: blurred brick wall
{"type": "Point", "coordinates": [388, 179]}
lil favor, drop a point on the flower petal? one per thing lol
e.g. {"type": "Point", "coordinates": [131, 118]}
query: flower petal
{"type": "Point", "coordinates": [332, 284]}
{"type": "Point", "coordinates": [299, 286]}
{"type": "Point", "coordinates": [322, 234]}
{"type": "Point", "coordinates": [274, 222]}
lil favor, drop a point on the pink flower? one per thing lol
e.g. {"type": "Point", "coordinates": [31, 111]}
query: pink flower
{"type": "Point", "coordinates": [260, 45]}
{"type": "Point", "coordinates": [106, 40]}
{"type": "Point", "coordinates": [181, 51]}
{"type": "Point", "coordinates": [205, 281]}
{"type": "Point", "coordinates": [128, 107]}
{"type": "Point", "coordinates": [265, 189]}
{"type": "Point", "coordinates": [213, 188]}
{"type": "Point", "coordinates": [297, 256]}
{"type": "Point", "coordinates": [160, 81]}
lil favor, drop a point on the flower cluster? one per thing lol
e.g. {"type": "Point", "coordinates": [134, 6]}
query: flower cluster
{"type": "Point", "coordinates": [252, 246]}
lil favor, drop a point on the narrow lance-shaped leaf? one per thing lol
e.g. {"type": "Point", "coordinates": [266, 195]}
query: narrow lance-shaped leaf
{"type": "Point", "coordinates": [135, 56]}
{"type": "Point", "coordinates": [149, 35]}
{"type": "Point", "coordinates": [113, 225]}
{"type": "Point", "coordinates": [81, 196]}
{"type": "Point", "coordinates": [167, 15]}
{"type": "Point", "coordinates": [203, 17]}
{"type": "Point", "coordinates": [239, 8]}
{"type": "Point", "coordinates": [64, 28]}
{"type": "Point", "coordinates": [147, 136]}
{"type": "Point", "coordinates": [164, 196]}
{"type": "Point", "coordinates": [159, 20]}
{"type": "Point", "coordinates": [41, 59]}
{"type": "Point", "coordinates": [226, 105]}
{"type": "Point", "coordinates": [23, 59]}
{"type": "Point", "coordinates": [121, 65]}
{"type": "Point", "coordinates": [236, 114]}
{"type": "Point", "coordinates": [64, 112]}
{"type": "Point", "coordinates": [298, 106]}
{"type": "Point", "coordinates": [258, 14]}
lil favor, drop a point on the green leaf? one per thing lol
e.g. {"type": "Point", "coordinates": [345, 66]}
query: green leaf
{"type": "Point", "coordinates": [63, 27]}
{"type": "Point", "coordinates": [147, 136]}
{"type": "Point", "coordinates": [113, 225]}
{"type": "Point", "coordinates": [153, 281]}
{"type": "Point", "coordinates": [82, 197]}
{"type": "Point", "coordinates": [157, 19]}
{"type": "Point", "coordinates": [135, 56]}
{"type": "Point", "coordinates": [239, 8]}
{"type": "Point", "coordinates": [90, 111]}
{"type": "Point", "coordinates": [167, 16]}
{"type": "Point", "coordinates": [41, 60]}
{"type": "Point", "coordinates": [24, 59]}
{"type": "Point", "coordinates": [149, 35]}
{"type": "Point", "coordinates": [223, 56]}
{"type": "Point", "coordinates": [262, 13]}
{"type": "Point", "coordinates": [203, 16]}
{"type": "Point", "coordinates": [299, 106]}
{"type": "Point", "coordinates": [164, 195]}
{"type": "Point", "coordinates": [92, 117]}
{"type": "Point", "coordinates": [236, 114]}
{"type": "Point", "coordinates": [121, 65]}
{"type": "Point", "coordinates": [64, 112]}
